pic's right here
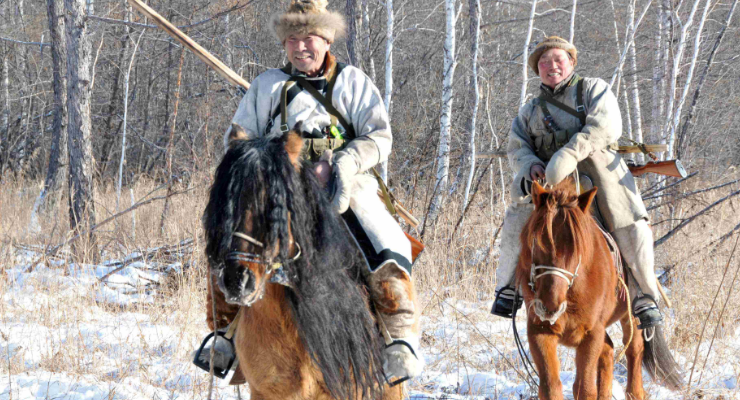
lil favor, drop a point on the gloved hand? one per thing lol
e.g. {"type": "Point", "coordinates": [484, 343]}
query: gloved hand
{"type": "Point", "coordinates": [560, 166]}
{"type": "Point", "coordinates": [344, 168]}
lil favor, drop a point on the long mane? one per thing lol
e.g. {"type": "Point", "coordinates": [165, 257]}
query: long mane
{"type": "Point", "coordinates": [330, 310]}
{"type": "Point", "coordinates": [558, 227]}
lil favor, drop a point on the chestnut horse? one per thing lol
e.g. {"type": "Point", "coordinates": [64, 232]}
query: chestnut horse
{"type": "Point", "coordinates": [278, 251]}
{"type": "Point", "coordinates": [568, 279]}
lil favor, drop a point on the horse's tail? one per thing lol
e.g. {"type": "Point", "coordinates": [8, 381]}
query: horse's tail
{"type": "Point", "coordinates": [659, 362]}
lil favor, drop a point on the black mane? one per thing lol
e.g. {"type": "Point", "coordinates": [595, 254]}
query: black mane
{"type": "Point", "coordinates": [329, 306]}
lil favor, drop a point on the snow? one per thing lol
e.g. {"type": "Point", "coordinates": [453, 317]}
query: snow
{"type": "Point", "coordinates": [65, 334]}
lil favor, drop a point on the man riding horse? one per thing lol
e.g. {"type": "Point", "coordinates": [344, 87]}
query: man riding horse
{"type": "Point", "coordinates": [327, 99]}
{"type": "Point", "coordinates": [571, 127]}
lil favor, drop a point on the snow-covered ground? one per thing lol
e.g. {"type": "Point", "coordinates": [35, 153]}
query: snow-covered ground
{"type": "Point", "coordinates": [65, 334]}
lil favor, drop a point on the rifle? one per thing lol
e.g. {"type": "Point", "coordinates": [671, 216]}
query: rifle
{"type": "Point", "coordinates": [668, 168]}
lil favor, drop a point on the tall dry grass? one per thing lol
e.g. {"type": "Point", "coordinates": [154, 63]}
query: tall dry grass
{"type": "Point", "coordinates": [455, 276]}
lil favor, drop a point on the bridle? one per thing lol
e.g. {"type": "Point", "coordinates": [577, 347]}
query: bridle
{"type": "Point", "coordinates": [570, 277]}
{"type": "Point", "coordinates": [274, 269]}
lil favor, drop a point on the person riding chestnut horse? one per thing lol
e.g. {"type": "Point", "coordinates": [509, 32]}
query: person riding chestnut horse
{"type": "Point", "coordinates": [340, 111]}
{"type": "Point", "coordinates": [572, 126]}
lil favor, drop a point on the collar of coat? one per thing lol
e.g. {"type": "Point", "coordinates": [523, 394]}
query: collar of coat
{"type": "Point", "coordinates": [327, 70]}
{"type": "Point", "coordinates": [560, 87]}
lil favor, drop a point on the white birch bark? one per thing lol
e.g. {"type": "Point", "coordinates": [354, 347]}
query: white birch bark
{"type": "Point", "coordinates": [443, 150]}
{"type": "Point", "coordinates": [689, 78]}
{"type": "Point", "coordinates": [475, 34]}
{"type": "Point", "coordinates": [525, 54]}
{"type": "Point", "coordinates": [683, 139]}
{"type": "Point", "coordinates": [126, 80]}
{"type": "Point", "coordinates": [81, 189]}
{"type": "Point", "coordinates": [633, 91]}
{"type": "Point", "coordinates": [677, 59]}
{"type": "Point", "coordinates": [369, 61]}
{"type": "Point", "coordinates": [573, 22]}
{"type": "Point", "coordinates": [629, 41]}
{"type": "Point", "coordinates": [388, 56]}
{"type": "Point", "coordinates": [388, 73]}
{"type": "Point", "coordinates": [656, 113]}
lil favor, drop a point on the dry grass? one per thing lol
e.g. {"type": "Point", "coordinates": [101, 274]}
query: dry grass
{"type": "Point", "coordinates": [455, 278]}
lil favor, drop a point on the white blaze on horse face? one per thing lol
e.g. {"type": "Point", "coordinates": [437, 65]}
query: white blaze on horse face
{"type": "Point", "coordinates": [541, 312]}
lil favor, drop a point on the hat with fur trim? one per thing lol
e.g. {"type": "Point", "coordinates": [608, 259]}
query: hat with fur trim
{"type": "Point", "coordinates": [308, 17]}
{"type": "Point", "coordinates": [552, 42]}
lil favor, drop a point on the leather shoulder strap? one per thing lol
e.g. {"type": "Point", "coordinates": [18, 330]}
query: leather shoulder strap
{"type": "Point", "coordinates": [579, 112]}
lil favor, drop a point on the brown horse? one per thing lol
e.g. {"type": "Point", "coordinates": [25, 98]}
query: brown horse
{"type": "Point", "coordinates": [569, 282]}
{"type": "Point", "coordinates": [279, 252]}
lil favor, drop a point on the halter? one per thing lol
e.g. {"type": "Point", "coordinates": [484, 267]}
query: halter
{"type": "Point", "coordinates": [273, 268]}
{"type": "Point", "coordinates": [570, 277]}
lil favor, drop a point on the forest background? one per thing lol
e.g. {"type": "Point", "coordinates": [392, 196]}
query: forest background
{"type": "Point", "coordinates": [98, 102]}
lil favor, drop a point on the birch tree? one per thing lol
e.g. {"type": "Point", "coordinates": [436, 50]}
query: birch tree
{"type": "Point", "coordinates": [352, 44]}
{"type": "Point", "coordinates": [388, 55]}
{"type": "Point", "coordinates": [58, 159]}
{"type": "Point", "coordinates": [445, 115]}
{"type": "Point", "coordinates": [683, 138]}
{"type": "Point", "coordinates": [525, 53]}
{"type": "Point", "coordinates": [474, 92]}
{"type": "Point", "coordinates": [81, 189]}
{"type": "Point", "coordinates": [369, 61]}
{"type": "Point", "coordinates": [573, 21]}
{"type": "Point", "coordinates": [689, 78]}
{"type": "Point", "coordinates": [633, 92]}
{"type": "Point", "coordinates": [677, 59]}
{"type": "Point", "coordinates": [658, 73]}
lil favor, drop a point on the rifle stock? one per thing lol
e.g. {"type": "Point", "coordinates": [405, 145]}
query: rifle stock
{"type": "Point", "coordinates": [667, 168]}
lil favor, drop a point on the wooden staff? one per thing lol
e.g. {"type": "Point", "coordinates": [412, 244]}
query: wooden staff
{"type": "Point", "coordinates": [208, 58]}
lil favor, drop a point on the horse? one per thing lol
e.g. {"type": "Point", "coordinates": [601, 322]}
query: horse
{"type": "Point", "coordinates": [283, 256]}
{"type": "Point", "coordinates": [569, 280]}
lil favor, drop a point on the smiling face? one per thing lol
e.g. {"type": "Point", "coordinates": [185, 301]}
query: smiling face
{"type": "Point", "coordinates": [555, 65]}
{"type": "Point", "coordinates": [306, 52]}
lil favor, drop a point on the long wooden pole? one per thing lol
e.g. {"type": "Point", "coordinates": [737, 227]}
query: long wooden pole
{"type": "Point", "coordinates": [226, 72]}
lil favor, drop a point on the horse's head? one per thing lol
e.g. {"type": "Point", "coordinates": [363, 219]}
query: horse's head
{"type": "Point", "coordinates": [248, 217]}
{"type": "Point", "coordinates": [554, 244]}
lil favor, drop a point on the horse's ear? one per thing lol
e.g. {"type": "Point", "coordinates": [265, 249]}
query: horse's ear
{"type": "Point", "coordinates": [237, 133]}
{"type": "Point", "coordinates": [585, 200]}
{"type": "Point", "coordinates": [294, 146]}
{"type": "Point", "coordinates": [538, 194]}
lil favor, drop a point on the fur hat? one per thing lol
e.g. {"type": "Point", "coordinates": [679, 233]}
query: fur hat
{"type": "Point", "coordinates": [552, 42]}
{"type": "Point", "coordinates": [308, 17]}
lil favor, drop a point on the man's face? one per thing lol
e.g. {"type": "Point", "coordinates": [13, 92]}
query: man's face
{"type": "Point", "coordinates": [306, 52]}
{"type": "Point", "coordinates": [555, 65]}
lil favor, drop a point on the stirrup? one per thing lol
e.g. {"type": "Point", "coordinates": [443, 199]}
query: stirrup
{"type": "Point", "coordinates": [506, 302]}
{"type": "Point", "coordinates": [392, 383]}
{"type": "Point", "coordinates": [648, 314]}
{"type": "Point", "coordinates": [203, 361]}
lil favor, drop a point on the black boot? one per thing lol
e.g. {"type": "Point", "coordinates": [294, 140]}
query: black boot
{"type": "Point", "coordinates": [646, 309]}
{"type": "Point", "coordinates": [507, 300]}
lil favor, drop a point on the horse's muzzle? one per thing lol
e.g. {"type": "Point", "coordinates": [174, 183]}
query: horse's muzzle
{"type": "Point", "coordinates": [237, 284]}
{"type": "Point", "coordinates": [546, 316]}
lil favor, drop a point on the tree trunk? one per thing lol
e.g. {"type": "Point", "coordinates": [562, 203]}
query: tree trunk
{"type": "Point", "coordinates": [445, 115]}
{"type": "Point", "coordinates": [658, 74]}
{"type": "Point", "coordinates": [388, 56]}
{"type": "Point", "coordinates": [81, 189]}
{"type": "Point", "coordinates": [633, 92]}
{"type": "Point", "coordinates": [353, 49]}
{"type": "Point", "coordinates": [475, 8]}
{"type": "Point", "coordinates": [525, 54]}
{"type": "Point", "coordinates": [684, 138]}
{"type": "Point", "coordinates": [57, 169]}
{"type": "Point", "coordinates": [573, 21]}
{"type": "Point", "coordinates": [369, 61]}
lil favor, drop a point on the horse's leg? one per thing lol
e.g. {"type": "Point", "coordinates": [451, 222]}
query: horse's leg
{"type": "Point", "coordinates": [634, 358]}
{"type": "Point", "coordinates": [544, 353]}
{"type": "Point", "coordinates": [588, 353]}
{"type": "Point", "coordinates": [606, 369]}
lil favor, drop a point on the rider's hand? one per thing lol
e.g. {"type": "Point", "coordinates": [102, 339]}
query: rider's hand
{"type": "Point", "coordinates": [560, 166]}
{"type": "Point", "coordinates": [536, 172]}
{"type": "Point", "coordinates": [322, 170]}
{"type": "Point", "coordinates": [345, 169]}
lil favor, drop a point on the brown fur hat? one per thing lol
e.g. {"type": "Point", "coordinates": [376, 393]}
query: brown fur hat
{"type": "Point", "coordinates": [308, 17]}
{"type": "Point", "coordinates": [552, 42]}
